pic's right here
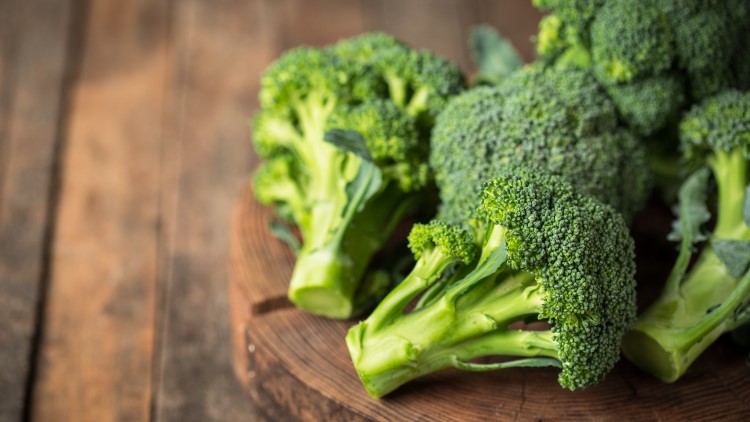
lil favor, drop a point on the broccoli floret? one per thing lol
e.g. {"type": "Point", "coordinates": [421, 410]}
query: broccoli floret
{"type": "Point", "coordinates": [649, 103]}
{"type": "Point", "coordinates": [277, 183]}
{"type": "Point", "coordinates": [550, 254]}
{"type": "Point", "coordinates": [418, 81]}
{"type": "Point", "coordinates": [346, 159]}
{"type": "Point", "coordinates": [654, 56]}
{"type": "Point", "coordinates": [712, 297]}
{"type": "Point", "coordinates": [630, 39]}
{"type": "Point", "coordinates": [557, 120]}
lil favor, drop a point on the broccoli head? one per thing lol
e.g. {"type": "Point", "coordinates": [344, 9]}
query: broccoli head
{"type": "Point", "coordinates": [555, 120]}
{"type": "Point", "coordinates": [345, 157]}
{"type": "Point", "coordinates": [700, 303]}
{"type": "Point", "coordinates": [550, 254]}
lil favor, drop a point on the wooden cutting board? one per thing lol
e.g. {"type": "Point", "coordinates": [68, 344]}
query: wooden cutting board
{"type": "Point", "coordinates": [296, 366]}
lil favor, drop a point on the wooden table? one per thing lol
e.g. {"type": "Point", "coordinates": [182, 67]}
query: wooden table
{"type": "Point", "coordinates": [123, 146]}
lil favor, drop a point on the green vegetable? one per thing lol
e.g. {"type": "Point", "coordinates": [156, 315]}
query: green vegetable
{"type": "Point", "coordinates": [553, 120]}
{"type": "Point", "coordinates": [550, 254]}
{"type": "Point", "coordinates": [344, 134]}
{"type": "Point", "coordinates": [653, 56]}
{"type": "Point", "coordinates": [700, 303]}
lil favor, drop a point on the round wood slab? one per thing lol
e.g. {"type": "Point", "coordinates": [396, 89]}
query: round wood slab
{"type": "Point", "coordinates": [296, 366]}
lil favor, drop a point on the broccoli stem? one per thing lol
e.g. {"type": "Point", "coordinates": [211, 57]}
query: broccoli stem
{"type": "Point", "coordinates": [731, 174]}
{"type": "Point", "coordinates": [330, 266]}
{"type": "Point", "coordinates": [668, 338]}
{"type": "Point", "coordinates": [695, 310]}
{"type": "Point", "coordinates": [469, 321]}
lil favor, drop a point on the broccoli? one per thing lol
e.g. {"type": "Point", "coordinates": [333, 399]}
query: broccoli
{"type": "Point", "coordinates": [550, 254]}
{"type": "Point", "coordinates": [344, 133]}
{"type": "Point", "coordinates": [712, 297]}
{"type": "Point", "coordinates": [556, 120]}
{"type": "Point", "coordinates": [654, 56]}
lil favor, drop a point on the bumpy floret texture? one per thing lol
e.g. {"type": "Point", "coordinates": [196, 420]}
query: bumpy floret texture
{"type": "Point", "coordinates": [451, 240]}
{"type": "Point", "coordinates": [554, 120]}
{"type": "Point", "coordinates": [671, 52]}
{"type": "Point", "coordinates": [721, 123]}
{"type": "Point", "coordinates": [580, 252]}
{"type": "Point", "coordinates": [314, 71]}
{"type": "Point", "coordinates": [418, 80]}
{"type": "Point", "coordinates": [630, 39]}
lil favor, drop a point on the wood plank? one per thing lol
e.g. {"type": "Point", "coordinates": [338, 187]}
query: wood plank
{"type": "Point", "coordinates": [322, 22]}
{"type": "Point", "coordinates": [442, 27]}
{"type": "Point", "coordinates": [33, 44]}
{"type": "Point", "coordinates": [221, 47]}
{"type": "Point", "coordinates": [96, 354]}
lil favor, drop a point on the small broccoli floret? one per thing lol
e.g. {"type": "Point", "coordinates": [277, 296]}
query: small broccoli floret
{"type": "Point", "coordinates": [550, 254]}
{"type": "Point", "coordinates": [700, 303]}
{"type": "Point", "coordinates": [556, 120]}
{"type": "Point", "coordinates": [630, 39]}
{"type": "Point", "coordinates": [277, 183]}
{"type": "Point", "coordinates": [649, 103]}
{"type": "Point", "coordinates": [346, 159]}
{"type": "Point", "coordinates": [438, 237]}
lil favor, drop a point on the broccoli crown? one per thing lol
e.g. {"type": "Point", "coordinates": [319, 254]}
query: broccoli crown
{"type": "Point", "coordinates": [721, 122]}
{"type": "Point", "coordinates": [668, 50]}
{"type": "Point", "coordinates": [417, 80]}
{"type": "Point", "coordinates": [556, 120]}
{"type": "Point", "coordinates": [451, 240]}
{"type": "Point", "coordinates": [309, 71]}
{"type": "Point", "coordinates": [581, 254]}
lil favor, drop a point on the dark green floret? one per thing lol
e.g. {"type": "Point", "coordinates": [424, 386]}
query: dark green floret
{"type": "Point", "coordinates": [654, 56]}
{"type": "Point", "coordinates": [701, 302]}
{"type": "Point", "coordinates": [554, 120]}
{"type": "Point", "coordinates": [549, 254]}
{"type": "Point", "coordinates": [344, 131]}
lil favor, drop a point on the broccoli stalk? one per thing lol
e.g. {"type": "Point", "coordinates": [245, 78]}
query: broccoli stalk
{"type": "Point", "coordinates": [549, 254]}
{"type": "Point", "coordinates": [713, 297]}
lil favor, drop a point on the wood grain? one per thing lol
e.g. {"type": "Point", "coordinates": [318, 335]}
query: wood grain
{"type": "Point", "coordinates": [96, 354]}
{"type": "Point", "coordinates": [206, 159]}
{"type": "Point", "coordinates": [34, 39]}
{"type": "Point", "coordinates": [297, 365]}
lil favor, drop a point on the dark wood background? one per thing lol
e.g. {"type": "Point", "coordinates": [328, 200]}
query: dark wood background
{"type": "Point", "coordinates": [124, 144]}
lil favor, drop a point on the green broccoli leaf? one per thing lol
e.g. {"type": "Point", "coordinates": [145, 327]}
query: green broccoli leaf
{"type": "Point", "coordinates": [735, 254]}
{"type": "Point", "coordinates": [746, 207]}
{"type": "Point", "coordinates": [282, 232]}
{"type": "Point", "coordinates": [349, 141]}
{"type": "Point", "coordinates": [369, 178]}
{"type": "Point", "coordinates": [493, 55]}
{"type": "Point", "coordinates": [692, 211]}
